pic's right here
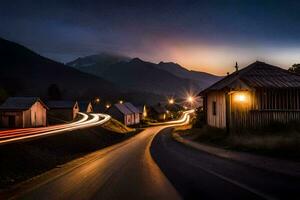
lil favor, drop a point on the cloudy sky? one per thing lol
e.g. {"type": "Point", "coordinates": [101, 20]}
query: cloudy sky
{"type": "Point", "coordinates": [200, 35]}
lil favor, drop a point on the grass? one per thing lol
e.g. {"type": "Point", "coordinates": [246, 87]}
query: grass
{"type": "Point", "coordinates": [282, 142]}
{"type": "Point", "coordinates": [24, 160]}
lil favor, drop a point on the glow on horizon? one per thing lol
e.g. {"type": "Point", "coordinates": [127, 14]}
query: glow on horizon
{"type": "Point", "coordinates": [219, 60]}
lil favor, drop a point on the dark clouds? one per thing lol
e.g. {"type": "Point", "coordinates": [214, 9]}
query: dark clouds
{"type": "Point", "coordinates": [66, 29]}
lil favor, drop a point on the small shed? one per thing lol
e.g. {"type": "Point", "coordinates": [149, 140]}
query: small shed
{"type": "Point", "coordinates": [85, 106]}
{"type": "Point", "coordinates": [121, 113]}
{"type": "Point", "coordinates": [63, 110]}
{"type": "Point", "coordinates": [135, 112]}
{"type": "Point", "coordinates": [252, 98]}
{"type": "Point", "coordinates": [21, 112]}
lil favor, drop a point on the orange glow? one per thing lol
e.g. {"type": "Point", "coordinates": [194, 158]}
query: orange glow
{"type": "Point", "coordinates": [241, 97]}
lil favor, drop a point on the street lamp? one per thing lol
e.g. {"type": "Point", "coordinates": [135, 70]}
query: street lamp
{"type": "Point", "coordinates": [190, 99]}
{"type": "Point", "coordinates": [121, 102]}
{"type": "Point", "coordinates": [171, 101]}
{"type": "Point", "coordinates": [107, 106]}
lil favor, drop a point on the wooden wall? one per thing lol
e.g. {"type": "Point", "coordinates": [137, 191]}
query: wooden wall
{"type": "Point", "coordinates": [218, 120]}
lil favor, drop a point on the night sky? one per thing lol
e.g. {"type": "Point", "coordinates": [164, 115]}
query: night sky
{"type": "Point", "coordinates": [201, 35]}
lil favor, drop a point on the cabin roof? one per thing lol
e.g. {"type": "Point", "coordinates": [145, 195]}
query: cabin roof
{"type": "Point", "coordinates": [259, 75]}
{"type": "Point", "coordinates": [123, 109]}
{"type": "Point", "coordinates": [61, 104]}
{"type": "Point", "coordinates": [131, 107]}
{"type": "Point", "coordinates": [20, 103]}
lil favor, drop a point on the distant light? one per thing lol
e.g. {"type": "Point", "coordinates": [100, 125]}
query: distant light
{"type": "Point", "coordinates": [190, 99]}
{"type": "Point", "coordinates": [171, 101]}
{"type": "Point", "coordinates": [107, 106]}
{"type": "Point", "coordinates": [121, 102]}
{"type": "Point", "coordinates": [97, 100]}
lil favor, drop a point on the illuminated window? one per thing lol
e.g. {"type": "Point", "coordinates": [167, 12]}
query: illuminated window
{"type": "Point", "coordinates": [214, 108]}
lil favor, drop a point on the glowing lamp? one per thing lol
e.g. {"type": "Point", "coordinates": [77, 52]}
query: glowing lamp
{"type": "Point", "coordinates": [241, 97]}
{"type": "Point", "coordinates": [107, 106]}
{"type": "Point", "coordinates": [190, 99]}
{"type": "Point", "coordinates": [121, 102]}
{"type": "Point", "coordinates": [171, 101]}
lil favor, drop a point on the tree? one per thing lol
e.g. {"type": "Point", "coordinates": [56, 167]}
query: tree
{"type": "Point", "coordinates": [54, 92]}
{"type": "Point", "coordinates": [295, 68]}
{"type": "Point", "coordinates": [3, 95]}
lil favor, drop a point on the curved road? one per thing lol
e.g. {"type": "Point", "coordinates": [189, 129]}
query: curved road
{"type": "Point", "coordinates": [87, 120]}
{"type": "Point", "coordinates": [122, 171]}
{"type": "Point", "coordinates": [127, 171]}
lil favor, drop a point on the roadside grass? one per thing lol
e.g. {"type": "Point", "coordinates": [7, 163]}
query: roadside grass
{"type": "Point", "coordinates": [274, 141]}
{"type": "Point", "coordinates": [24, 160]}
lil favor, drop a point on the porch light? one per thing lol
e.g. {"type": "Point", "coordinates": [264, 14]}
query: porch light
{"type": "Point", "coordinates": [241, 97]}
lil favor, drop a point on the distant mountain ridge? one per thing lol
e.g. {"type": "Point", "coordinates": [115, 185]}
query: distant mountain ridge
{"type": "Point", "coordinates": [24, 72]}
{"type": "Point", "coordinates": [163, 78]}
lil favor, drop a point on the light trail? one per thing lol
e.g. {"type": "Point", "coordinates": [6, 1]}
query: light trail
{"type": "Point", "coordinates": [184, 118]}
{"type": "Point", "coordinates": [97, 119]}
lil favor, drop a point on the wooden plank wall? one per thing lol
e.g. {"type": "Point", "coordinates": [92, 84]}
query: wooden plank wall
{"type": "Point", "coordinates": [266, 106]}
{"type": "Point", "coordinates": [218, 120]}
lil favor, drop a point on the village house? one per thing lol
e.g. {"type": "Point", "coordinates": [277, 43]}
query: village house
{"type": "Point", "coordinates": [135, 112]}
{"type": "Point", "coordinates": [62, 110]}
{"type": "Point", "coordinates": [22, 112]}
{"type": "Point", "coordinates": [123, 113]}
{"type": "Point", "coordinates": [253, 97]}
{"type": "Point", "coordinates": [85, 106]}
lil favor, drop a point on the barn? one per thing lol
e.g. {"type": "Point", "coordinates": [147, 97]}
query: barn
{"type": "Point", "coordinates": [62, 110]}
{"type": "Point", "coordinates": [85, 106]}
{"type": "Point", "coordinates": [253, 97]}
{"type": "Point", "coordinates": [135, 111]}
{"type": "Point", "coordinates": [22, 112]}
{"type": "Point", "coordinates": [122, 113]}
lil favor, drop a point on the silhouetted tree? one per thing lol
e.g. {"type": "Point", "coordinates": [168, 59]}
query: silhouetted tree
{"type": "Point", "coordinates": [54, 92]}
{"type": "Point", "coordinates": [295, 68]}
{"type": "Point", "coordinates": [3, 95]}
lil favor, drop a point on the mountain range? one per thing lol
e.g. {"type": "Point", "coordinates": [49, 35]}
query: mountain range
{"type": "Point", "coordinates": [24, 72]}
{"type": "Point", "coordinates": [164, 78]}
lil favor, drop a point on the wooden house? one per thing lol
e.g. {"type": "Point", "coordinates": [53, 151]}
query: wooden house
{"type": "Point", "coordinates": [121, 113]}
{"type": "Point", "coordinates": [85, 106]}
{"type": "Point", "coordinates": [253, 97]}
{"type": "Point", "coordinates": [135, 112]}
{"type": "Point", "coordinates": [62, 110]}
{"type": "Point", "coordinates": [21, 112]}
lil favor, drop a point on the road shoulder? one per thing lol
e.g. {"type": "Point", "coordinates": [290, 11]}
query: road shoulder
{"type": "Point", "coordinates": [276, 165]}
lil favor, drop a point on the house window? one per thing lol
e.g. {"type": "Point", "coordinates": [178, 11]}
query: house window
{"type": "Point", "coordinates": [214, 108]}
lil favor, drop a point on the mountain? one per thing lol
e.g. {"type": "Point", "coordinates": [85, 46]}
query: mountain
{"type": "Point", "coordinates": [24, 72]}
{"type": "Point", "coordinates": [202, 78]}
{"type": "Point", "coordinates": [136, 74]}
{"type": "Point", "coordinates": [90, 64]}
{"type": "Point", "coordinates": [141, 76]}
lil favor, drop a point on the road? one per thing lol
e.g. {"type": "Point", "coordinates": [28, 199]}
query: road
{"type": "Point", "coordinates": [122, 171]}
{"type": "Point", "coordinates": [87, 120]}
{"type": "Point", "coordinates": [199, 175]}
{"type": "Point", "coordinates": [151, 165]}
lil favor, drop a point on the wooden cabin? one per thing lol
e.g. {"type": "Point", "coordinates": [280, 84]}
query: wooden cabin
{"type": "Point", "coordinates": [121, 113]}
{"type": "Point", "coordinates": [62, 110]}
{"type": "Point", "coordinates": [85, 106]}
{"type": "Point", "coordinates": [253, 98]}
{"type": "Point", "coordinates": [135, 112]}
{"type": "Point", "coordinates": [22, 112]}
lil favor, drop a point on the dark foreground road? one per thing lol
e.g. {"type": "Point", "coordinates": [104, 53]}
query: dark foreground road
{"type": "Point", "coordinates": [122, 171]}
{"type": "Point", "coordinates": [199, 175]}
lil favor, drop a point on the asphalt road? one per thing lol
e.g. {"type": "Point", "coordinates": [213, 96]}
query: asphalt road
{"type": "Point", "coordinates": [199, 175]}
{"type": "Point", "coordinates": [128, 171]}
{"type": "Point", "coordinates": [122, 171]}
